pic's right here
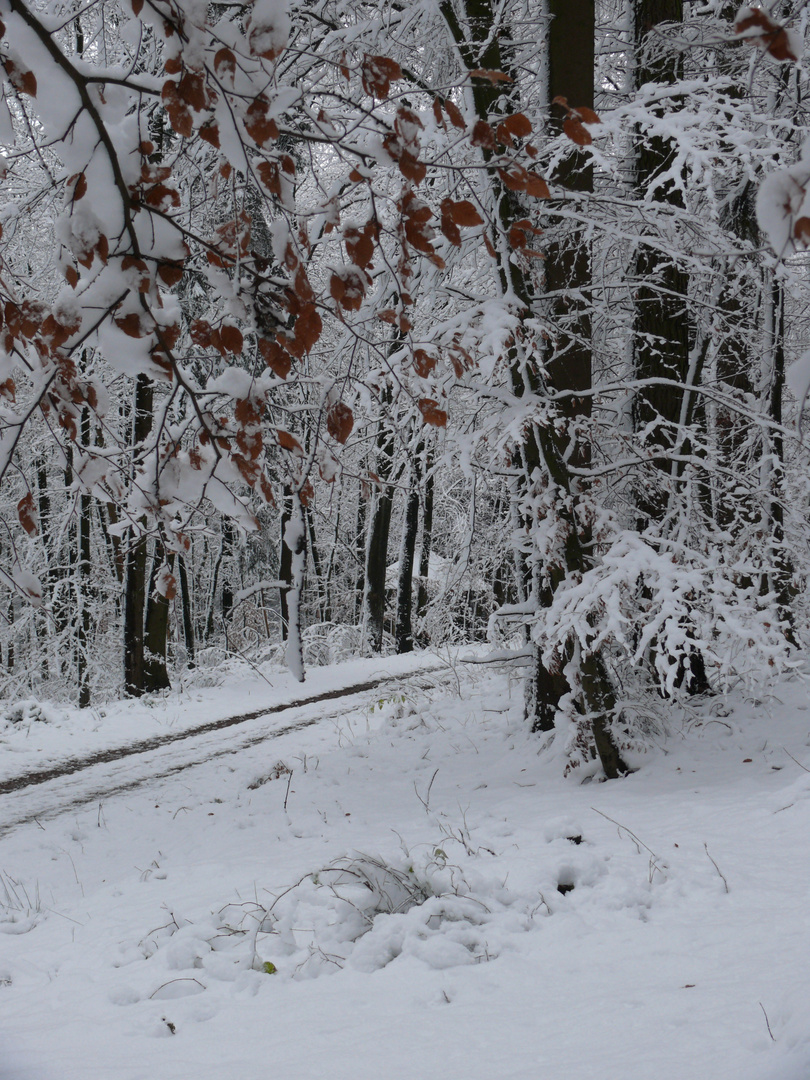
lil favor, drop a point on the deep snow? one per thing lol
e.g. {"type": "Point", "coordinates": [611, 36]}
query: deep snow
{"type": "Point", "coordinates": [416, 900]}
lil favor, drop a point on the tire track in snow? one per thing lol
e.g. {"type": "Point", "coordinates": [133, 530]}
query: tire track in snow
{"type": "Point", "coordinates": [76, 782]}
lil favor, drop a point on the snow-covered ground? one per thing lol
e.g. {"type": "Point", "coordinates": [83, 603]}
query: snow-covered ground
{"type": "Point", "coordinates": [411, 890]}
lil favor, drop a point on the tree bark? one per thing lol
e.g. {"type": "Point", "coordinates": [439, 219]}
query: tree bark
{"type": "Point", "coordinates": [83, 579]}
{"type": "Point", "coordinates": [135, 577]}
{"type": "Point", "coordinates": [156, 633]}
{"type": "Point", "coordinates": [542, 456]}
{"type": "Point", "coordinates": [403, 632]}
{"type": "Point", "coordinates": [422, 596]}
{"type": "Point", "coordinates": [377, 548]}
{"type": "Point", "coordinates": [188, 619]}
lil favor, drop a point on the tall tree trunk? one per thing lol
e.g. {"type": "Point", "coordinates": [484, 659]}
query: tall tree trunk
{"type": "Point", "coordinates": [321, 583]}
{"type": "Point", "coordinates": [135, 578]}
{"type": "Point", "coordinates": [664, 331]}
{"type": "Point", "coordinates": [226, 596]}
{"type": "Point", "coordinates": [285, 570]}
{"type": "Point", "coordinates": [377, 548]}
{"type": "Point", "coordinates": [295, 541]}
{"type": "Point", "coordinates": [156, 628]}
{"type": "Point", "coordinates": [360, 553]}
{"type": "Point", "coordinates": [83, 578]}
{"type": "Point", "coordinates": [188, 618]}
{"type": "Point", "coordinates": [778, 579]}
{"type": "Point", "coordinates": [543, 453]}
{"type": "Point", "coordinates": [662, 322]}
{"type": "Point", "coordinates": [422, 596]}
{"type": "Point", "coordinates": [403, 631]}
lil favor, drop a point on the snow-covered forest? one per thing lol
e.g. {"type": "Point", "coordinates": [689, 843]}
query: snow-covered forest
{"type": "Point", "coordinates": [329, 330]}
{"type": "Point", "coordinates": [334, 331]}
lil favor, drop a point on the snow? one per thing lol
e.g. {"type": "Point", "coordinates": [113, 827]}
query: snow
{"type": "Point", "coordinates": [435, 899]}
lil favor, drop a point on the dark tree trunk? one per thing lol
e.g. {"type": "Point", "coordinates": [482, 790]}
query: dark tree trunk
{"type": "Point", "coordinates": [135, 584]}
{"type": "Point", "coordinates": [360, 552]}
{"type": "Point", "coordinates": [83, 578]}
{"type": "Point", "coordinates": [321, 583]}
{"type": "Point", "coordinates": [662, 322]}
{"type": "Point", "coordinates": [188, 619]}
{"type": "Point", "coordinates": [226, 597]}
{"type": "Point", "coordinates": [422, 596]}
{"type": "Point", "coordinates": [404, 627]}
{"type": "Point", "coordinates": [543, 451]}
{"type": "Point", "coordinates": [376, 562]}
{"type": "Point", "coordinates": [377, 550]}
{"type": "Point", "coordinates": [156, 675]}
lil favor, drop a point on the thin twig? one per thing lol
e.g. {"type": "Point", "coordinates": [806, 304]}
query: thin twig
{"type": "Point", "coordinates": [287, 793]}
{"type": "Point", "coordinates": [426, 801]}
{"type": "Point", "coordinates": [767, 1022]}
{"type": "Point", "coordinates": [714, 864]}
{"type": "Point", "coordinates": [792, 758]}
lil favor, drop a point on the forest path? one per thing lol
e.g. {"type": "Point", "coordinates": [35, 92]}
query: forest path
{"type": "Point", "coordinates": [76, 781]}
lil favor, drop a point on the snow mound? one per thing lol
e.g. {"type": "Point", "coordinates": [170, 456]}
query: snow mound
{"type": "Point", "coordinates": [22, 714]}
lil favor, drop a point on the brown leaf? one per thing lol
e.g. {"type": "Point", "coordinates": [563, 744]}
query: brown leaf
{"type": "Point", "coordinates": [231, 338]}
{"type": "Point", "coordinates": [503, 135]}
{"type": "Point", "coordinates": [431, 413]}
{"type": "Point", "coordinates": [276, 358]}
{"type": "Point", "coordinates": [586, 115]}
{"type": "Point", "coordinates": [80, 187]}
{"type": "Point", "coordinates": [191, 89]}
{"type": "Point", "coordinates": [266, 490]}
{"type": "Point", "coordinates": [177, 110]}
{"type": "Point", "coordinates": [27, 514]}
{"type": "Point", "coordinates": [8, 390]}
{"type": "Point", "coordinates": [801, 231]}
{"type": "Point", "coordinates": [348, 287]}
{"type": "Point", "coordinates": [518, 124]}
{"type": "Point", "coordinates": [537, 187]}
{"type": "Point", "coordinates": [491, 76]}
{"type": "Point", "coordinates": [259, 126]}
{"type": "Point", "coordinates": [519, 234]}
{"type": "Point", "coordinates": [773, 39]}
{"type": "Point", "coordinates": [453, 111]}
{"type": "Point", "coordinates": [166, 584]}
{"type": "Point", "coordinates": [423, 363]}
{"type": "Point", "coordinates": [209, 132]}
{"type": "Point", "coordinates": [514, 177]}
{"type": "Point", "coordinates": [411, 167]}
{"type": "Point", "coordinates": [576, 131]}
{"type": "Point", "coordinates": [225, 64]}
{"type": "Point", "coordinates": [23, 80]}
{"type": "Point", "coordinates": [308, 328]}
{"type": "Point", "coordinates": [461, 213]}
{"type": "Point", "coordinates": [450, 230]}
{"type": "Point", "coordinates": [288, 441]}
{"type": "Point", "coordinates": [270, 177]}
{"type": "Point", "coordinates": [200, 333]}
{"type": "Point", "coordinates": [170, 272]}
{"type": "Point", "coordinates": [377, 73]}
{"type": "Point", "coordinates": [161, 196]}
{"type": "Point", "coordinates": [137, 7]}
{"type": "Point", "coordinates": [359, 247]}
{"type": "Point", "coordinates": [130, 324]}
{"type": "Point", "coordinates": [483, 135]}
{"type": "Point", "coordinates": [339, 421]}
